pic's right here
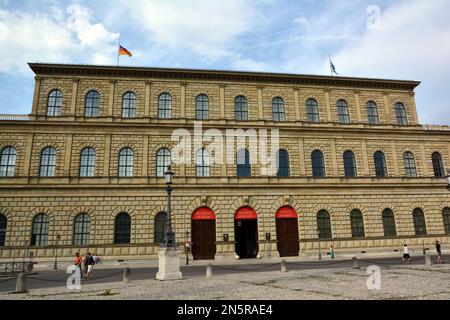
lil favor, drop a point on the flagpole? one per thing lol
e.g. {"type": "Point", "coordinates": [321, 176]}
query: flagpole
{"type": "Point", "coordinates": [118, 54]}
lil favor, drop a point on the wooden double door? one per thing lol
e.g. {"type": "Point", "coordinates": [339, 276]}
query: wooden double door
{"type": "Point", "coordinates": [204, 239]}
{"type": "Point", "coordinates": [287, 236]}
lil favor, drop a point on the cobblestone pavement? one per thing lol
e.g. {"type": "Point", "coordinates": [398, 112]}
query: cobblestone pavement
{"type": "Point", "coordinates": [404, 282]}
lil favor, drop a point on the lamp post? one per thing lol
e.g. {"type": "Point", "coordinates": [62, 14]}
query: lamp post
{"type": "Point", "coordinates": [55, 266]}
{"type": "Point", "coordinates": [187, 247]}
{"type": "Point", "coordinates": [320, 251]}
{"type": "Point", "coordinates": [169, 239]}
{"type": "Point", "coordinates": [169, 253]}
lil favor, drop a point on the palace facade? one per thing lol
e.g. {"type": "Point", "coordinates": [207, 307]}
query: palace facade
{"type": "Point", "coordinates": [84, 171]}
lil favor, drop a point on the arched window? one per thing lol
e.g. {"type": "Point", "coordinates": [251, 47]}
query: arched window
{"type": "Point", "coordinates": [47, 165]}
{"type": "Point", "coordinates": [410, 165]}
{"type": "Point", "coordinates": [350, 164]}
{"type": "Point", "coordinates": [8, 162]}
{"type": "Point", "coordinates": [39, 231]}
{"type": "Point", "coordinates": [3, 224]}
{"type": "Point", "coordinates": [122, 228]}
{"type": "Point", "coordinates": [278, 110]}
{"type": "Point", "coordinates": [129, 105]}
{"type": "Point", "coordinates": [160, 227]}
{"type": "Point", "coordinates": [380, 164]}
{"type": "Point", "coordinates": [243, 163]}
{"type": "Point", "coordinates": [324, 224]}
{"type": "Point", "coordinates": [87, 162]}
{"type": "Point", "coordinates": [165, 106]}
{"type": "Point", "coordinates": [82, 230]}
{"type": "Point", "coordinates": [438, 165]}
{"type": "Point", "coordinates": [400, 113]}
{"type": "Point", "coordinates": [357, 223]}
{"type": "Point", "coordinates": [126, 162]}
{"type": "Point", "coordinates": [312, 110]}
{"type": "Point", "coordinates": [202, 163]}
{"type": "Point", "coordinates": [163, 160]}
{"type": "Point", "coordinates": [372, 113]}
{"type": "Point", "coordinates": [54, 103]}
{"type": "Point", "coordinates": [241, 108]}
{"type": "Point", "coordinates": [446, 217]}
{"type": "Point", "coordinates": [92, 104]}
{"type": "Point", "coordinates": [420, 226]}
{"type": "Point", "coordinates": [318, 164]}
{"type": "Point", "coordinates": [202, 107]}
{"type": "Point", "coordinates": [283, 163]}
{"type": "Point", "coordinates": [342, 111]}
{"type": "Point", "coordinates": [389, 223]}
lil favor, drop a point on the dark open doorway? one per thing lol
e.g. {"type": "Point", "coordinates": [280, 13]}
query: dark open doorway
{"type": "Point", "coordinates": [246, 233]}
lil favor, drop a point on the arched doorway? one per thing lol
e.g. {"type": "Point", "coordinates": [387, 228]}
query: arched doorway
{"type": "Point", "coordinates": [246, 233]}
{"type": "Point", "coordinates": [287, 232]}
{"type": "Point", "coordinates": [203, 234]}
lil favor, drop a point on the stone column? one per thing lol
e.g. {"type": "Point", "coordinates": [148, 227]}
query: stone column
{"type": "Point", "coordinates": [37, 90]}
{"type": "Point", "coordinates": [73, 102]}
{"type": "Point", "coordinates": [358, 107]}
{"type": "Point", "coordinates": [222, 101]}
{"type": "Point", "coordinates": [260, 103]}
{"type": "Point", "coordinates": [298, 111]}
{"type": "Point", "coordinates": [183, 100]}
{"type": "Point", "coordinates": [68, 155]}
{"type": "Point", "coordinates": [148, 89]}
{"type": "Point", "coordinates": [107, 155]}
{"type": "Point", "coordinates": [145, 156]}
{"type": "Point", "coordinates": [414, 108]}
{"type": "Point", "coordinates": [365, 157]}
{"type": "Point", "coordinates": [387, 107]}
{"type": "Point", "coordinates": [394, 159]}
{"type": "Point", "coordinates": [328, 105]}
{"type": "Point", "coordinates": [28, 155]}
{"type": "Point", "coordinates": [425, 171]}
{"type": "Point", "coordinates": [334, 158]}
{"type": "Point", "coordinates": [301, 149]}
{"type": "Point", "coordinates": [112, 87]}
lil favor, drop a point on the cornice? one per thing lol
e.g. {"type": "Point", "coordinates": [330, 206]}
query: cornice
{"type": "Point", "coordinates": [48, 70]}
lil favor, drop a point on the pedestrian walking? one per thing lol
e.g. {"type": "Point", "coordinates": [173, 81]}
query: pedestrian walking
{"type": "Point", "coordinates": [331, 252]}
{"type": "Point", "coordinates": [439, 253]}
{"type": "Point", "coordinates": [406, 255]}
{"type": "Point", "coordinates": [96, 258]}
{"type": "Point", "coordinates": [78, 262]}
{"type": "Point", "coordinates": [86, 264]}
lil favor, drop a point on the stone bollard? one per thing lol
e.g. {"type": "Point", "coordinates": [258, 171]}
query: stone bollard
{"type": "Point", "coordinates": [355, 263]}
{"type": "Point", "coordinates": [126, 275]}
{"type": "Point", "coordinates": [21, 284]}
{"type": "Point", "coordinates": [428, 260]}
{"type": "Point", "coordinates": [283, 266]}
{"type": "Point", "coordinates": [209, 272]}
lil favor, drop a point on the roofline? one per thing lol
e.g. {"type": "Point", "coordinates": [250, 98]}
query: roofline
{"type": "Point", "coordinates": [50, 69]}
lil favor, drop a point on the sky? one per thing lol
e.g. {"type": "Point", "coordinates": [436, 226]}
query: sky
{"type": "Point", "coordinates": [392, 39]}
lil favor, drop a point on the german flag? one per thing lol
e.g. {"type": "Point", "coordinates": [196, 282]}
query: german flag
{"type": "Point", "coordinates": [124, 52]}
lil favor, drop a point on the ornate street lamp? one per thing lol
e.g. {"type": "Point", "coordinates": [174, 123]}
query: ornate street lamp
{"type": "Point", "coordinates": [169, 253]}
{"type": "Point", "coordinates": [169, 238]}
{"type": "Point", "coordinates": [55, 266]}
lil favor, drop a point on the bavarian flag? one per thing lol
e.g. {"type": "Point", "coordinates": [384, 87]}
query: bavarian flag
{"type": "Point", "coordinates": [124, 52]}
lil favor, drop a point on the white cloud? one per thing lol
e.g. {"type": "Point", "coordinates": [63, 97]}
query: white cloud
{"type": "Point", "coordinates": [202, 27]}
{"type": "Point", "coordinates": [248, 64]}
{"type": "Point", "coordinates": [413, 43]}
{"type": "Point", "coordinates": [26, 37]}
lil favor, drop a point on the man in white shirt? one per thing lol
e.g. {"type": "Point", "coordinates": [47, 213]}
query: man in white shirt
{"type": "Point", "coordinates": [406, 254]}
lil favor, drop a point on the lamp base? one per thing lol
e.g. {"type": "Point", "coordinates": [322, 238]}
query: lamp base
{"type": "Point", "coordinates": [169, 264]}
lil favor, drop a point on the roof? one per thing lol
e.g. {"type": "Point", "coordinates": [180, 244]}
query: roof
{"type": "Point", "coordinates": [74, 70]}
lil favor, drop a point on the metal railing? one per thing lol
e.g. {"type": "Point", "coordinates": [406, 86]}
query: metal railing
{"type": "Point", "coordinates": [16, 267]}
{"type": "Point", "coordinates": [15, 117]}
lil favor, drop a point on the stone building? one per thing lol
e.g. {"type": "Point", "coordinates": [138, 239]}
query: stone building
{"type": "Point", "coordinates": [84, 170]}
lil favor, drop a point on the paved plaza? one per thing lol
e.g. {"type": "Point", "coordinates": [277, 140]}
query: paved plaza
{"type": "Point", "coordinates": [398, 282]}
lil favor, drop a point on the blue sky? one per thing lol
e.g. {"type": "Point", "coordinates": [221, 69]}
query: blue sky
{"type": "Point", "coordinates": [406, 40]}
